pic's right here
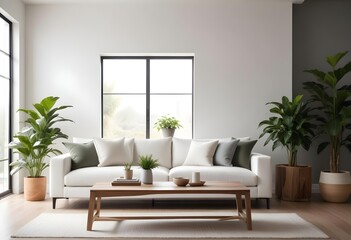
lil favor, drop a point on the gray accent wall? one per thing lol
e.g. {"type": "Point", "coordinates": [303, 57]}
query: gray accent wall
{"type": "Point", "coordinates": [320, 28]}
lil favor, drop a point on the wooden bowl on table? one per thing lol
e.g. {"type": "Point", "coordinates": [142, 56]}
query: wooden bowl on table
{"type": "Point", "coordinates": [180, 181]}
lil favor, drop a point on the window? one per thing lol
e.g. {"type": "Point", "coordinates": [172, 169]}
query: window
{"type": "Point", "coordinates": [136, 91]}
{"type": "Point", "coordinates": [5, 106]}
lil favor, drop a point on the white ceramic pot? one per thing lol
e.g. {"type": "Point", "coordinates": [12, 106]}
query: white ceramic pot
{"type": "Point", "coordinates": [146, 176]}
{"type": "Point", "coordinates": [168, 132]}
{"type": "Point", "coordinates": [335, 187]}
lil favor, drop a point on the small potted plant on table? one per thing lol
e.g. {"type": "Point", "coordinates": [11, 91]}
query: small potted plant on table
{"type": "Point", "coordinates": [128, 172]}
{"type": "Point", "coordinates": [147, 163]}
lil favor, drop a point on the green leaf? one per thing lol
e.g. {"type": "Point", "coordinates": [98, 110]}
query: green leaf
{"type": "Point", "coordinates": [48, 102]}
{"type": "Point", "coordinates": [341, 72]}
{"type": "Point", "coordinates": [317, 73]}
{"type": "Point", "coordinates": [330, 79]}
{"type": "Point", "coordinates": [333, 60]}
{"type": "Point", "coordinates": [40, 109]}
{"type": "Point", "coordinates": [31, 113]}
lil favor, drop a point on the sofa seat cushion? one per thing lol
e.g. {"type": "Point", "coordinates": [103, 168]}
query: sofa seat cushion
{"type": "Point", "coordinates": [87, 177]}
{"type": "Point", "coordinates": [216, 173]}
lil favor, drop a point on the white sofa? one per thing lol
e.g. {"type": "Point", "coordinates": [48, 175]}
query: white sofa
{"type": "Point", "coordinates": [171, 153]}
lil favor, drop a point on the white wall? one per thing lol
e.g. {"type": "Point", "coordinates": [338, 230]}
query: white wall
{"type": "Point", "coordinates": [243, 56]}
{"type": "Point", "coordinates": [14, 10]}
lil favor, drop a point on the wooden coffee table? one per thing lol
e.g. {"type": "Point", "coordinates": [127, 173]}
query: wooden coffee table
{"type": "Point", "coordinates": [101, 190]}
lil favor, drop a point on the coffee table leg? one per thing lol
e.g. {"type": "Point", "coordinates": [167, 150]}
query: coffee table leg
{"type": "Point", "coordinates": [91, 211]}
{"type": "Point", "coordinates": [248, 211]}
{"type": "Point", "coordinates": [98, 206]}
{"type": "Point", "coordinates": [239, 204]}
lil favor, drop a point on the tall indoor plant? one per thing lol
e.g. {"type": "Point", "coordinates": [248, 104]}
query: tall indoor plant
{"type": "Point", "coordinates": [168, 125]}
{"type": "Point", "coordinates": [332, 97]}
{"type": "Point", "coordinates": [34, 143]}
{"type": "Point", "coordinates": [290, 127]}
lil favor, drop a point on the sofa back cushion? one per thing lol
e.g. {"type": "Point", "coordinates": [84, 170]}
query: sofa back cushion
{"type": "Point", "coordinates": [111, 152]}
{"type": "Point", "coordinates": [160, 149]}
{"type": "Point", "coordinates": [82, 154]}
{"type": "Point", "coordinates": [201, 153]}
{"type": "Point", "coordinates": [242, 155]}
{"type": "Point", "coordinates": [180, 149]}
{"type": "Point", "coordinates": [225, 152]}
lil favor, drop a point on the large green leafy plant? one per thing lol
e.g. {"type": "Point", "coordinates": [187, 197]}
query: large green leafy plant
{"type": "Point", "coordinates": [34, 142]}
{"type": "Point", "coordinates": [290, 127]}
{"type": "Point", "coordinates": [332, 97]}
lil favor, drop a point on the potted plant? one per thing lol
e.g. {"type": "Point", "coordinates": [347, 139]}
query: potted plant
{"type": "Point", "coordinates": [168, 125]}
{"type": "Point", "coordinates": [34, 143]}
{"type": "Point", "coordinates": [147, 163]}
{"type": "Point", "coordinates": [332, 97]}
{"type": "Point", "coordinates": [128, 172]}
{"type": "Point", "coordinates": [290, 127]}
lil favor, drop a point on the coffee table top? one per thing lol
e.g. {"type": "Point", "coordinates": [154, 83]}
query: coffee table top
{"type": "Point", "coordinates": [171, 188]}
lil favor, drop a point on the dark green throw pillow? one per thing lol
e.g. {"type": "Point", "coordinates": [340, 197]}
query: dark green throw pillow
{"type": "Point", "coordinates": [82, 154]}
{"type": "Point", "coordinates": [242, 155]}
{"type": "Point", "coordinates": [225, 152]}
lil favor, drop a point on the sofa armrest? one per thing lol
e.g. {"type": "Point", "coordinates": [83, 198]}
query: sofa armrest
{"type": "Point", "coordinates": [261, 165]}
{"type": "Point", "coordinates": [59, 167]}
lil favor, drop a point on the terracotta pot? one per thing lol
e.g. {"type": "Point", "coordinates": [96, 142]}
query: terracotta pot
{"type": "Point", "coordinates": [128, 174]}
{"type": "Point", "coordinates": [293, 183]}
{"type": "Point", "coordinates": [335, 187]}
{"type": "Point", "coordinates": [34, 188]}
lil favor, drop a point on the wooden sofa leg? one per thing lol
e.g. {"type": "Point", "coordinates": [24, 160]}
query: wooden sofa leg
{"type": "Point", "coordinates": [268, 203]}
{"type": "Point", "coordinates": [54, 203]}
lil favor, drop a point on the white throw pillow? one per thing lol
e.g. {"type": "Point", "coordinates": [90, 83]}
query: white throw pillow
{"type": "Point", "coordinates": [111, 152]}
{"type": "Point", "coordinates": [201, 153]}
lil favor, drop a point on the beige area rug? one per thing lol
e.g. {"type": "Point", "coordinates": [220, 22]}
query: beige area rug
{"type": "Point", "coordinates": [265, 225]}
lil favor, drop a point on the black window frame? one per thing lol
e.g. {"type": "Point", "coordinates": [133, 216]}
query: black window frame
{"type": "Point", "coordinates": [10, 78]}
{"type": "Point", "coordinates": [147, 58]}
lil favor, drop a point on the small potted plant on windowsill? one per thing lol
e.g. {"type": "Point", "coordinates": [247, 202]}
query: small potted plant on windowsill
{"type": "Point", "coordinates": [168, 125]}
{"type": "Point", "coordinates": [147, 163]}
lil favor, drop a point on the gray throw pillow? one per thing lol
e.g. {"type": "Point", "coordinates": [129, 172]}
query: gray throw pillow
{"type": "Point", "coordinates": [82, 154]}
{"type": "Point", "coordinates": [242, 155]}
{"type": "Point", "coordinates": [225, 152]}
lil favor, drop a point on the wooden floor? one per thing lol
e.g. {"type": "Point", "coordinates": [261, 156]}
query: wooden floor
{"type": "Point", "coordinates": [333, 219]}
